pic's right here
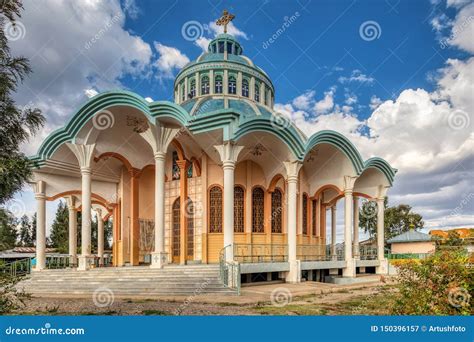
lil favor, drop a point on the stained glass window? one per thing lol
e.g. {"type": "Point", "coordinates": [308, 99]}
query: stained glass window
{"type": "Point", "coordinates": [314, 204]}
{"type": "Point", "coordinates": [238, 209]}
{"type": "Point", "coordinates": [215, 210]}
{"type": "Point", "coordinates": [257, 210]}
{"type": "Point", "coordinates": [190, 232]}
{"type": "Point", "coordinates": [305, 214]}
{"type": "Point", "coordinates": [176, 227]}
{"type": "Point", "coordinates": [277, 211]}
{"type": "Point", "coordinates": [175, 168]}
{"type": "Point", "coordinates": [189, 172]}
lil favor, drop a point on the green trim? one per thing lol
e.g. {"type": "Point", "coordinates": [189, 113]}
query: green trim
{"type": "Point", "coordinates": [233, 123]}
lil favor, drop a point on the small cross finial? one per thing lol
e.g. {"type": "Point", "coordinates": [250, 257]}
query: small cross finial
{"type": "Point", "coordinates": [225, 20]}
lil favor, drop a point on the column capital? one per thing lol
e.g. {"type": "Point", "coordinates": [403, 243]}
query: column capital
{"type": "Point", "coordinates": [349, 182]}
{"type": "Point", "coordinates": [134, 172]}
{"type": "Point", "coordinates": [228, 152]}
{"type": "Point", "coordinates": [159, 137]}
{"type": "Point", "coordinates": [183, 164]}
{"type": "Point", "coordinates": [84, 154]}
{"type": "Point", "coordinates": [71, 202]}
{"type": "Point", "coordinates": [380, 200]}
{"type": "Point", "coordinates": [292, 170]}
{"type": "Point", "coordinates": [39, 188]}
{"type": "Point", "coordinates": [86, 170]}
{"type": "Point", "coordinates": [159, 155]}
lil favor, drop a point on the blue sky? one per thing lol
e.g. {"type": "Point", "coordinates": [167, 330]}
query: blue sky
{"type": "Point", "coordinates": [404, 94]}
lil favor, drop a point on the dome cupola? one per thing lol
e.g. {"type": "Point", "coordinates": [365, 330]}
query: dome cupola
{"type": "Point", "coordinates": [223, 74]}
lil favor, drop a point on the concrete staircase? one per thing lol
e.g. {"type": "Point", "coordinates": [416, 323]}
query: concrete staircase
{"type": "Point", "coordinates": [128, 281]}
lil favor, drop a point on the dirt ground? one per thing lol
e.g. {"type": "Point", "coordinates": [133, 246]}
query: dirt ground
{"type": "Point", "coordinates": [277, 299]}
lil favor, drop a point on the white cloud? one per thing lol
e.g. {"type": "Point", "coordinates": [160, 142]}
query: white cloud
{"type": "Point", "coordinates": [374, 102]}
{"type": "Point", "coordinates": [90, 92]}
{"type": "Point", "coordinates": [304, 101]}
{"type": "Point", "coordinates": [356, 76]}
{"type": "Point", "coordinates": [74, 52]}
{"type": "Point", "coordinates": [203, 43]}
{"type": "Point", "coordinates": [326, 104]}
{"type": "Point", "coordinates": [350, 99]}
{"type": "Point", "coordinates": [417, 134]}
{"type": "Point", "coordinates": [148, 99]}
{"type": "Point", "coordinates": [170, 59]}
{"type": "Point", "coordinates": [463, 29]}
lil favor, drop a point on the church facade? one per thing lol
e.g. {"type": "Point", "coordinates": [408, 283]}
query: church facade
{"type": "Point", "coordinates": [215, 174]}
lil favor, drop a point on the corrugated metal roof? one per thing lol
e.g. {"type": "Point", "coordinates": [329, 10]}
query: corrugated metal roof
{"type": "Point", "coordinates": [410, 236]}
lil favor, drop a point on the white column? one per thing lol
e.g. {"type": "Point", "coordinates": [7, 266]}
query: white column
{"type": "Point", "coordinates": [159, 138]}
{"type": "Point", "coordinates": [333, 232]}
{"type": "Point", "coordinates": [356, 228]}
{"type": "Point", "coordinates": [40, 197]}
{"type": "Point", "coordinates": [72, 210]}
{"type": "Point", "coordinates": [159, 255]}
{"type": "Point", "coordinates": [292, 170]}
{"type": "Point", "coordinates": [380, 229]}
{"type": "Point", "coordinates": [84, 155]}
{"type": "Point", "coordinates": [100, 236]}
{"type": "Point", "coordinates": [350, 269]}
{"type": "Point", "coordinates": [229, 154]}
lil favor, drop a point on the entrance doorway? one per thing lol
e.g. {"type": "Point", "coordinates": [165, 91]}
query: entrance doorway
{"type": "Point", "coordinates": [176, 213]}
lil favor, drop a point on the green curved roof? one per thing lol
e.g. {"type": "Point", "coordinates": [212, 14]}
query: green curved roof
{"type": "Point", "coordinates": [237, 120]}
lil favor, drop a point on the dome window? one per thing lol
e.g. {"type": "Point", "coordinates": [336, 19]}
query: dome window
{"type": "Point", "coordinates": [229, 47]}
{"type": "Point", "coordinates": [232, 85]}
{"type": "Point", "coordinates": [245, 88]}
{"type": "Point", "coordinates": [257, 92]}
{"type": "Point", "coordinates": [221, 47]}
{"type": "Point", "coordinates": [214, 48]}
{"type": "Point", "coordinates": [205, 85]}
{"type": "Point", "coordinates": [218, 85]}
{"type": "Point", "coordinates": [183, 94]}
{"type": "Point", "coordinates": [192, 90]}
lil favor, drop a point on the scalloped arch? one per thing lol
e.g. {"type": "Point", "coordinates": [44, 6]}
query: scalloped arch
{"type": "Point", "coordinates": [100, 102]}
{"type": "Point", "coordinates": [383, 166]}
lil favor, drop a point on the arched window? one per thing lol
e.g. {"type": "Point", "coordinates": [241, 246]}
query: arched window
{"type": "Point", "coordinates": [245, 87]}
{"type": "Point", "coordinates": [205, 85]}
{"type": "Point", "coordinates": [314, 203]}
{"type": "Point", "coordinates": [257, 210]}
{"type": "Point", "coordinates": [238, 209]}
{"type": "Point", "coordinates": [175, 171]}
{"type": "Point", "coordinates": [232, 85]}
{"type": "Point", "coordinates": [190, 230]}
{"type": "Point", "coordinates": [192, 89]}
{"type": "Point", "coordinates": [176, 227]}
{"type": "Point", "coordinates": [257, 92]}
{"type": "Point", "coordinates": [277, 211]}
{"type": "Point", "coordinates": [218, 84]}
{"type": "Point", "coordinates": [215, 209]}
{"type": "Point", "coordinates": [183, 93]}
{"type": "Point", "coordinates": [305, 214]}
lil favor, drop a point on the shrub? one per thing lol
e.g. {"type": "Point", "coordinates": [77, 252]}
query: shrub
{"type": "Point", "coordinates": [441, 284]}
{"type": "Point", "coordinates": [10, 298]}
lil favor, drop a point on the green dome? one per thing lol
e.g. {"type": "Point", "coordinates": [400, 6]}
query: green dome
{"type": "Point", "coordinates": [224, 72]}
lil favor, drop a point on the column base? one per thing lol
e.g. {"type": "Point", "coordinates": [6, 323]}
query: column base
{"type": "Point", "coordinates": [294, 275]}
{"type": "Point", "coordinates": [383, 268]}
{"type": "Point", "coordinates": [350, 269]}
{"type": "Point", "coordinates": [158, 259]}
{"type": "Point", "coordinates": [73, 261]}
{"type": "Point", "coordinates": [84, 262]}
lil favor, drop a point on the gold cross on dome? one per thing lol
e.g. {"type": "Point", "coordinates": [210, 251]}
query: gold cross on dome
{"type": "Point", "coordinates": [225, 20]}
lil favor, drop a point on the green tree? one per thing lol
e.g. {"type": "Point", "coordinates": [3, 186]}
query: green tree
{"type": "Point", "coordinates": [17, 124]}
{"type": "Point", "coordinates": [397, 219]}
{"type": "Point", "coordinates": [59, 237]}
{"type": "Point", "coordinates": [33, 229]}
{"type": "Point", "coordinates": [8, 233]}
{"type": "Point", "coordinates": [25, 232]}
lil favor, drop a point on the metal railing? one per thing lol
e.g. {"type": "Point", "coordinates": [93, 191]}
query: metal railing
{"type": "Point", "coordinates": [367, 253]}
{"type": "Point", "coordinates": [308, 252]}
{"type": "Point", "coordinates": [16, 268]}
{"type": "Point", "coordinates": [57, 262]}
{"type": "Point", "coordinates": [251, 252]}
{"type": "Point", "coordinates": [229, 272]}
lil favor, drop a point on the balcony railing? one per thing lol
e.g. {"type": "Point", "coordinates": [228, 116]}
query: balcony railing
{"type": "Point", "coordinates": [367, 253]}
{"type": "Point", "coordinates": [317, 253]}
{"type": "Point", "coordinates": [251, 252]}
